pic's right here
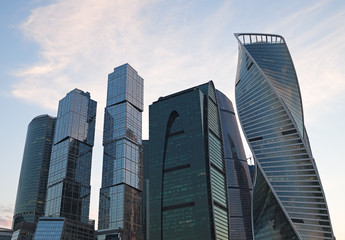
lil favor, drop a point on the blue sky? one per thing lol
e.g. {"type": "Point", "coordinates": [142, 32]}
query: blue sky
{"type": "Point", "coordinates": [48, 48]}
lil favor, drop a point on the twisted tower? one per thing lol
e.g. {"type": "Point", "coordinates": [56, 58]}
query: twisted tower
{"type": "Point", "coordinates": [289, 202]}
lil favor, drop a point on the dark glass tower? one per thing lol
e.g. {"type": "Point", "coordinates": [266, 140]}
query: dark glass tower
{"type": "Point", "coordinates": [238, 176]}
{"type": "Point", "coordinates": [33, 179]}
{"type": "Point", "coordinates": [187, 182]}
{"type": "Point", "coordinates": [68, 194]}
{"type": "Point", "coordinates": [289, 202]}
{"type": "Point", "coordinates": [120, 196]}
{"type": "Point", "coordinates": [146, 190]}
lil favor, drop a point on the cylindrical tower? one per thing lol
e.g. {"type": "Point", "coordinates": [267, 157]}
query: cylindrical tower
{"type": "Point", "coordinates": [33, 179]}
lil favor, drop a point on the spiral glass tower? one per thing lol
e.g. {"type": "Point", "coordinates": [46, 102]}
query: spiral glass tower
{"type": "Point", "coordinates": [289, 202]}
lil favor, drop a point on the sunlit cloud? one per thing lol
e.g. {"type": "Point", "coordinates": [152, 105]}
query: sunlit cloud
{"type": "Point", "coordinates": [6, 214]}
{"type": "Point", "coordinates": [173, 45]}
{"type": "Point", "coordinates": [82, 41]}
{"type": "Point", "coordinates": [316, 52]}
{"type": "Point", "coordinates": [79, 42]}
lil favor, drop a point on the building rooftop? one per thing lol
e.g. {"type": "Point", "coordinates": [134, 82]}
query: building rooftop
{"type": "Point", "coordinates": [255, 38]}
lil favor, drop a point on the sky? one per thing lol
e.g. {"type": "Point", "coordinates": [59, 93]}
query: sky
{"type": "Point", "coordinates": [48, 48]}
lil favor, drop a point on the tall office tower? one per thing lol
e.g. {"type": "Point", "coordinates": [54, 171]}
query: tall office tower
{"type": "Point", "coordinates": [32, 187]}
{"type": "Point", "coordinates": [68, 194]}
{"type": "Point", "coordinates": [289, 202]}
{"type": "Point", "coordinates": [120, 195]}
{"type": "Point", "coordinates": [237, 171]}
{"type": "Point", "coordinates": [187, 181]}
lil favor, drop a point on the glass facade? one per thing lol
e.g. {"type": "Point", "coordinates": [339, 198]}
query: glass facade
{"type": "Point", "coordinates": [32, 187]}
{"type": "Point", "coordinates": [50, 228]}
{"type": "Point", "coordinates": [26, 231]}
{"type": "Point", "coordinates": [68, 192]}
{"type": "Point", "coordinates": [120, 195]}
{"type": "Point", "coordinates": [146, 190]}
{"type": "Point", "coordinates": [237, 171]}
{"type": "Point", "coordinates": [63, 229]}
{"type": "Point", "coordinates": [288, 186]}
{"type": "Point", "coordinates": [187, 182]}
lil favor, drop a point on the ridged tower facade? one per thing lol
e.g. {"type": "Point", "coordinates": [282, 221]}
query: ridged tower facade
{"type": "Point", "coordinates": [239, 183]}
{"type": "Point", "coordinates": [187, 179]}
{"type": "Point", "coordinates": [289, 201]}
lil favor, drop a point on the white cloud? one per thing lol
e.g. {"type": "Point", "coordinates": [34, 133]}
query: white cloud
{"type": "Point", "coordinates": [317, 52]}
{"type": "Point", "coordinates": [173, 45]}
{"type": "Point", "coordinates": [6, 213]}
{"type": "Point", "coordinates": [82, 41]}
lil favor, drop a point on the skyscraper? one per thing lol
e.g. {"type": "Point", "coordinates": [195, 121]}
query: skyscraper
{"type": "Point", "coordinates": [187, 182]}
{"type": "Point", "coordinates": [120, 195]}
{"type": "Point", "coordinates": [289, 202]}
{"type": "Point", "coordinates": [146, 191]}
{"type": "Point", "coordinates": [68, 194]}
{"type": "Point", "coordinates": [239, 181]}
{"type": "Point", "coordinates": [32, 187]}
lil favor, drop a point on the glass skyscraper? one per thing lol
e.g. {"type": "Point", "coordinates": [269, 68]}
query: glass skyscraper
{"type": "Point", "coordinates": [187, 181]}
{"type": "Point", "coordinates": [120, 195]}
{"type": "Point", "coordinates": [289, 202]}
{"type": "Point", "coordinates": [68, 193]}
{"type": "Point", "coordinates": [32, 187]}
{"type": "Point", "coordinates": [237, 172]}
{"type": "Point", "coordinates": [146, 190]}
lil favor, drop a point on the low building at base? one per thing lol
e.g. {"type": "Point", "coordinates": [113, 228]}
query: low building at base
{"type": "Point", "coordinates": [5, 234]}
{"type": "Point", "coordinates": [63, 229]}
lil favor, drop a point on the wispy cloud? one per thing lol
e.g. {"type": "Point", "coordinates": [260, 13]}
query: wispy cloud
{"type": "Point", "coordinates": [82, 41]}
{"type": "Point", "coordinates": [173, 45]}
{"type": "Point", "coordinates": [6, 214]}
{"type": "Point", "coordinates": [167, 42]}
{"type": "Point", "coordinates": [170, 46]}
{"type": "Point", "coordinates": [317, 52]}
